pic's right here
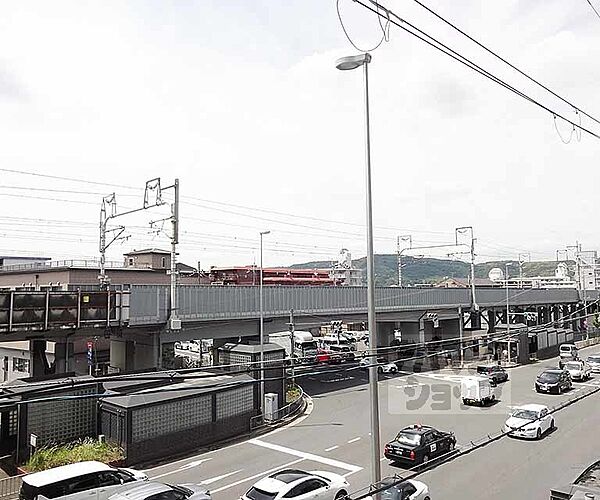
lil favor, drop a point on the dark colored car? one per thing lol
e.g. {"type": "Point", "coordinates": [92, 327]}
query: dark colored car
{"type": "Point", "coordinates": [553, 381]}
{"type": "Point", "coordinates": [495, 373]}
{"type": "Point", "coordinates": [417, 444]}
{"type": "Point", "coordinates": [340, 353]}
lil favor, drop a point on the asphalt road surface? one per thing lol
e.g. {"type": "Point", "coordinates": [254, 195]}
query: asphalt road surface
{"type": "Point", "coordinates": [334, 435]}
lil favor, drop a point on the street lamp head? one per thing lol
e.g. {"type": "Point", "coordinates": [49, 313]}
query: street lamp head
{"type": "Point", "coordinates": [352, 62]}
{"type": "Point", "coordinates": [262, 233]}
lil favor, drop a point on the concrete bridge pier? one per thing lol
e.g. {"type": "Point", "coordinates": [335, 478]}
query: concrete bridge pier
{"type": "Point", "coordinates": [491, 314]}
{"type": "Point", "coordinates": [63, 356]}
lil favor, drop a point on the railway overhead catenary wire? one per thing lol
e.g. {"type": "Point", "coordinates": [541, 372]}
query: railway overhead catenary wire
{"type": "Point", "coordinates": [433, 42]}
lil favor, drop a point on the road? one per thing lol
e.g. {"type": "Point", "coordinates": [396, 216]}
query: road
{"type": "Point", "coordinates": [334, 435]}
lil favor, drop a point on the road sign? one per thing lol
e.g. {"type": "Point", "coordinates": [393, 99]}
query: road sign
{"type": "Point", "coordinates": [90, 352]}
{"type": "Point", "coordinates": [33, 440]}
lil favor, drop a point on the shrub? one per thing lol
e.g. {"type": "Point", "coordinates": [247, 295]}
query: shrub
{"type": "Point", "coordinates": [79, 451]}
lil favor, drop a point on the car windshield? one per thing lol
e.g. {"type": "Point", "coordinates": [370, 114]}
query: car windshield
{"type": "Point", "coordinates": [409, 438]}
{"type": "Point", "coordinates": [573, 366]}
{"type": "Point", "coordinates": [526, 414]}
{"type": "Point", "coordinates": [594, 359]}
{"type": "Point", "coordinates": [256, 494]}
{"type": "Point", "coordinates": [309, 345]}
{"type": "Point", "coordinates": [393, 493]}
{"type": "Point", "coordinates": [548, 377]}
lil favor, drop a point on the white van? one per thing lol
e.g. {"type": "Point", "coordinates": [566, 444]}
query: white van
{"type": "Point", "coordinates": [476, 390]}
{"type": "Point", "coordinates": [84, 480]}
{"type": "Point", "coordinates": [567, 352]}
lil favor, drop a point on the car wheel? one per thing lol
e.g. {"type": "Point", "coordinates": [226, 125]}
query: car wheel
{"type": "Point", "coordinates": [427, 498]}
{"type": "Point", "coordinates": [452, 445]}
{"type": "Point", "coordinates": [538, 434]}
{"type": "Point", "coordinates": [341, 494]}
{"type": "Point", "coordinates": [425, 459]}
{"type": "Point", "coordinates": [559, 389]}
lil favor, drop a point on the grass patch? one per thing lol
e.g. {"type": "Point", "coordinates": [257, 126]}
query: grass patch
{"type": "Point", "coordinates": [79, 451]}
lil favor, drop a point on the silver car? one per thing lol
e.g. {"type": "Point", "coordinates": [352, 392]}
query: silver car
{"type": "Point", "coordinates": [159, 491]}
{"type": "Point", "coordinates": [594, 363]}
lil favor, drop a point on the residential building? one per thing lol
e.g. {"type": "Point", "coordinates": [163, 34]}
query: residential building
{"type": "Point", "coordinates": [15, 359]}
{"type": "Point", "coordinates": [140, 267]}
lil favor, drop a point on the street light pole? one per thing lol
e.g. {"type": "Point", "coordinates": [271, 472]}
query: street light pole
{"type": "Point", "coordinates": [262, 325]}
{"type": "Point", "coordinates": [506, 266]}
{"type": "Point", "coordinates": [349, 63]}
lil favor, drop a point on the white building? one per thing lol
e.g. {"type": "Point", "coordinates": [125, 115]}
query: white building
{"type": "Point", "coordinates": [344, 272]}
{"type": "Point", "coordinates": [16, 359]}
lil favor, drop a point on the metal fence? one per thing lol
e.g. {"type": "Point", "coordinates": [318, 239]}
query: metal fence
{"type": "Point", "coordinates": [149, 304]}
{"type": "Point", "coordinates": [9, 487]}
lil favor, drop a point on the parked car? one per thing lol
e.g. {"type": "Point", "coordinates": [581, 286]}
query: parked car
{"type": "Point", "coordinates": [409, 489]}
{"type": "Point", "coordinates": [417, 444]}
{"type": "Point", "coordinates": [298, 484]}
{"type": "Point", "coordinates": [594, 362]}
{"type": "Point", "coordinates": [476, 390]}
{"type": "Point", "coordinates": [341, 353]}
{"type": "Point", "coordinates": [160, 491]}
{"type": "Point", "coordinates": [92, 480]}
{"type": "Point", "coordinates": [553, 381]}
{"type": "Point", "coordinates": [529, 421]}
{"type": "Point", "coordinates": [567, 352]}
{"type": "Point", "coordinates": [579, 370]}
{"type": "Point", "coordinates": [495, 373]}
{"type": "Point", "coordinates": [388, 368]}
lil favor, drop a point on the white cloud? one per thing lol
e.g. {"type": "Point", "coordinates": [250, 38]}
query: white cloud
{"type": "Point", "coordinates": [243, 103]}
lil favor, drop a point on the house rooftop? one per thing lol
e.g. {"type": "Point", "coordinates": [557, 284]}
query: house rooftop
{"type": "Point", "coordinates": [149, 250]}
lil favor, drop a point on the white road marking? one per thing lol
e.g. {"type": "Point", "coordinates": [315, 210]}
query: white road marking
{"type": "Point", "coordinates": [264, 473]}
{"type": "Point", "coordinates": [189, 465]}
{"type": "Point", "coordinates": [354, 440]}
{"type": "Point", "coordinates": [218, 478]}
{"type": "Point", "coordinates": [331, 448]}
{"type": "Point", "coordinates": [307, 456]}
{"type": "Point", "coordinates": [585, 385]}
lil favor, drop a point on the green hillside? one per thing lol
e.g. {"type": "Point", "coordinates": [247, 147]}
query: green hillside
{"type": "Point", "coordinates": [428, 270]}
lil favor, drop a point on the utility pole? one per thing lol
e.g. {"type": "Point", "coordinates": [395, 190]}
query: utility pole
{"type": "Point", "coordinates": [292, 329]}
{"type": "Point", "coordinates": [174, 321]}
{"type": "Point", "coordinates": [506, 266]}
{"type": "Point", "coordinates": [408, 238]}
{"type": "Point", "coordinates": [523, 258]}
{"type": "Point", "coordinates": [262, 327]}
{"type": "Point", "coordinates": [460, 333]}
{"type": "Point", "coordinates": [463, 230]}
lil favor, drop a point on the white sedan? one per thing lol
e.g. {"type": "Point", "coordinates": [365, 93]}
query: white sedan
{"type": "Point", "coordinates": [396, 489]}
{"type": "Point", "coordinates": [529, 421]}
{"type": "Point", "coordinates": [299, 485]}
{"type": "Point", "coordinates": [579, 370]}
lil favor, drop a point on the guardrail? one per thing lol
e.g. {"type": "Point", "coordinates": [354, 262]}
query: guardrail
{"type": "Point", "coordinates": [10, 487]}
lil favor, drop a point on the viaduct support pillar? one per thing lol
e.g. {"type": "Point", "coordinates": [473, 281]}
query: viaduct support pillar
{"type": "Point", "coordinates": [63, 357]}
{"type": "Point", "coordinates": [39, 362]}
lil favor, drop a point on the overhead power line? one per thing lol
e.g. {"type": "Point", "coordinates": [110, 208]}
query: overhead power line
{"type": "Point", "coordinates": [594, 9]}
{"type": "Point", "coordinates": [445, 49]}
{"type": "Point", "coordinates": [499, 57]}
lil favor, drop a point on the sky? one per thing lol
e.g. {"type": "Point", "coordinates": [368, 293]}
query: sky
{"type": "Point", "coordinates": [241, 101]}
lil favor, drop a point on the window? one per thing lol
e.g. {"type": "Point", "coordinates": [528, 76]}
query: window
{"type": "Point", "coordinates": [108, 478]}
{"type": "Point", "coordinates": [82, 483]}
{"type": "Point", "coordinates": [305, 487]}
{"type": "Point", "coordinates": [131, 261]}
{"type": "Point", "coordinates": [163, 262]}
{"type": "Point", "coordinates": [407, 491]}
{"type": "Point", "coordinates": [21, 365]}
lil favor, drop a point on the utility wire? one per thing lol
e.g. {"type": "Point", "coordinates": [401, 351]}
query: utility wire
{"type": "Point", "coordinates": [505, 61]}
{"type": "Point", "coordinates": [436, 44]}
{"type": "Point", "coordinates": [595, 11]}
